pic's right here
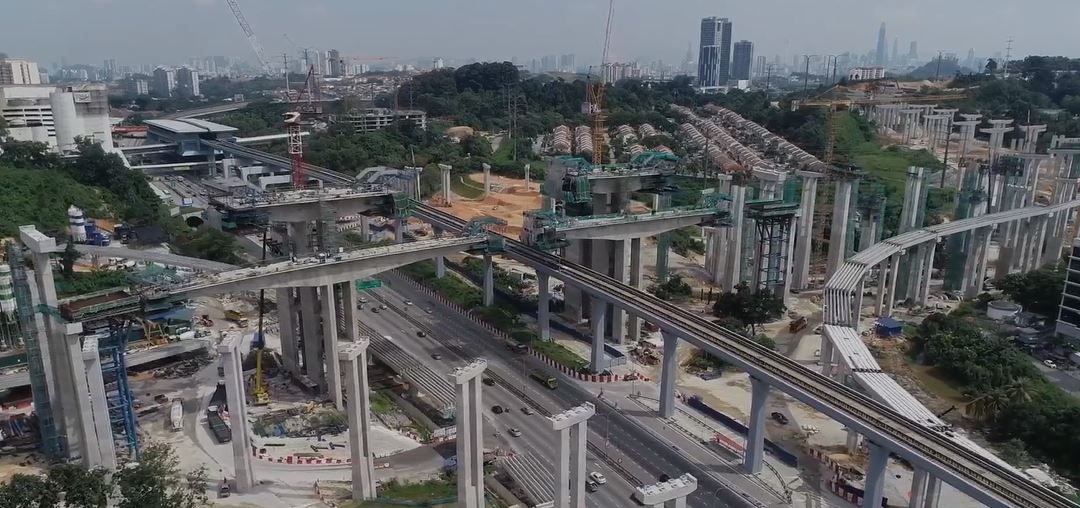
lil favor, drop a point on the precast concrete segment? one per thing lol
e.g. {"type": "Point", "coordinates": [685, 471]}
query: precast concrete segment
{"type": "Point", "coordinates": [319, 271]}
{"type": "Point", "coordinates": [670, 493]}
{"type": "Point", "coordinates": [755, 438]}
{"type": "Point", "coordinates": [234, 392]}
{"type": "Point", "coordinates": [99, 404]}
{"type": "Point", "coordinates": [618, 315]}
{"type": "Point", "coordinates": [949, 457]}
{"type": "Point", "coordinates": [330, 344]}
{"type": "Point", "coordinates": [353, 359]}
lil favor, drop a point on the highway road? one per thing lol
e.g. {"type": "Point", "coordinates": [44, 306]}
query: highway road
{"type": "Point", "coordinates": [445, 340]}
{"type": "Point", "coordinates": [644, 456]}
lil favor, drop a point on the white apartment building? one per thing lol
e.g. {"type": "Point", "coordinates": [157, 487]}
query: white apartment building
{"type": "Point", "coordinates": [14, 71]}
{"type": "Point", "coordinates": [57, 114]}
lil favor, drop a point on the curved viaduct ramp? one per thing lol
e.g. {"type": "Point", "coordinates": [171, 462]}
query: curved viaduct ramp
{"type": "Point", "coordinates": [156, 257]}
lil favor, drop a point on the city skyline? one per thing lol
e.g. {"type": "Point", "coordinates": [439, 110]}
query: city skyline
{"type": "Point", "coordinates": [640, 33]}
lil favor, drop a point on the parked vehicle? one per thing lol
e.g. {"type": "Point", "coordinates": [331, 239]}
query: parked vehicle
{"type": "Point", "coordinates": [797, 324]}
{"type": "Point", "coordinates": [779, 417]}
{"type": "Point", "coordinates": [236, 317]}
{"type": "Point", "coordinates": [545, 379]}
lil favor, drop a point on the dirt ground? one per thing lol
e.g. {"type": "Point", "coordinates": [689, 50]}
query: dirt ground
{"type": "Point", "coordinates": [509, 198]}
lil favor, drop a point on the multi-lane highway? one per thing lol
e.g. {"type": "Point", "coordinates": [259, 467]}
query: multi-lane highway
{"type": "Point", "coordinates": [455, 342]}
{"type": "Point", "coordinates": [641, 454]}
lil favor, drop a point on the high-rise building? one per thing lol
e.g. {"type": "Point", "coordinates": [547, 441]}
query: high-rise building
{"type": "Point", "coordinates": [913, 52]}
{"type": "Point", "coordinates": [336, 66]}
{"type": "Point", "coordinates": [760, 66]}
{"type": "Point", "coordinates": [714, 54]}
{"type": "Point", "coordinates": [881, 56]}
{"type": "Point", "coordinates": [741, 60]}
{"type": "Point", "coordinates": [137, 86]}
{"type": "Point", "coordinates": [549, 63]}
{"type": "Point", "coordinates": [164, 82]}
{"type": "Point", "coordinates": [111, 70]}
{"type": "Point", "coordinates": [438, 63]}
{"type": "Point", "coordinates": [895, 59]}
{"type": "Point", "coordinates": [1068, 321]}
{"type": "Point", "coordinates": [14, 71]}
{"type": "Point", "coordinates": [187, 82]}
{"type": "Point", "coordinates": [566, 63]}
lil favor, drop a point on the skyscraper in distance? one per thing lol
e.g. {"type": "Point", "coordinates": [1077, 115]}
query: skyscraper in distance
{"type": "Point", "coordinates": [881, 56]}
{"type": "Point", "coordinates": [741, 60]}
{"type": "Point", "coordinates": [714, 53]}
{"type": "Point", "coordinates": [913, 51]}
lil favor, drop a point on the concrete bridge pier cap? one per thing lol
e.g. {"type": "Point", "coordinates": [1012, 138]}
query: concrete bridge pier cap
{"type": "Point", "coordinates": [572, 421]}
{"type": "Point", "coordinates": [470, 433]}
{"type": "Point", "coordinates": [669, 494]}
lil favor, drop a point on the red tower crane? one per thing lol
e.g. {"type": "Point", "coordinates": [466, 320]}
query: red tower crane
{"type": "Point", "coordinates": [307, 102]}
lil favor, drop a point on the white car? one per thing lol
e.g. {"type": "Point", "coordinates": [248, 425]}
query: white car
{"type": "Point", "coordinates": [1050, 363]}
{"type": "Point", "coordinates": [597, 477]}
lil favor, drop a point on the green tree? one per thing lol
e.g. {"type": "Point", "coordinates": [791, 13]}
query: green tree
{"type": "Point", "coordinates": [68, 259]}
{"type": "Point", "coordinates": [750, 307]}
{"type": "Point", "coordinates": [27, 154]}
{"type": "Point", "coordinates": [209, 243]}
{"type": "Point", "coordinates": [1038, 291]}
{"type": "Point", "coordinates": [156, 482]}
{"type": "Point", "coordinates": [675, 288]}
{"type": "Point", "coordinates": [29, 491]}
{"type": "Point", "coordinates": [82, 488]}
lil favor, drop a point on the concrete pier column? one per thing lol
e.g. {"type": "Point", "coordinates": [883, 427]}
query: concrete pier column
{"type": "Point", "coordinates": [839, 229]}
{"type": "Point", "coordinates": [826, 356]}
{"type": "Point", "coordinates": [927, 274]}
{"type": "Point", "coordinates": [290, 352]}
{"type": "Point", "coordinates": [87, 435]}
{"type": "Point", "coordinates": [99, 405]}
{"type": "Point", "coordinates": [755, 437]}
{"type": "Point", "coordinates": [352, 357]}
{"type": "Point", "coordinates": [801, 262]}
{"type": "Point", "coordinates": [669, 373]}
{"type": "Point", "coordinates": [399, 230]}
{"type": "Point", "coordinates": [309, 321]}
{"type": "Point", "coordinates": [489, 281]}
{"type": "Point", "coordinates": [487, 180]}
{"type": "Point", "coordinates": [933, 492]}
{"type": "Point", "coordinates": [234, 391]}
{"type": "Point", "coordinates": [571, 426]}
{"type": "Point", "coordinates": [444, 178]}
{"type": "Point", "coordinates": [918, 489]}
{"type": "Point", "coordinates": [330, 344]}
{"type": "Point", "coordinates": [350, 299]}
{"type": "Point", "coordinates": [562, 470]}
{"type": "Point", "coordinates": [596, 321]}
{"type": "Point", "coordinates": [894, 277]}
{"type": "Point", "coordinates": [734, 262]}
{"type": "Point", "coordinates": [440, 261]}
{"type": "Point", "coordinates": [634, 333]}
{"type": "Point", "coordinates": [365, 228]}
{"type": "Point", "coordinates": [879, 295]}
{"type": "Point", "coordinates": [852, 441]}
{"type": "Point", "coordinates": [575, 299]}
{"type": "Point", "coordinates": [470, 433]}
{"type": "Point", "coordinates": [618, 315]}
{"type": "Point", "coordinates": [875, 476]}
{"type": "Point", "coordinates": [543, 305]}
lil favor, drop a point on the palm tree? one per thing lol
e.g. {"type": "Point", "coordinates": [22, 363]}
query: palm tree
{"type": "Point", "coordinates": [986, 406]}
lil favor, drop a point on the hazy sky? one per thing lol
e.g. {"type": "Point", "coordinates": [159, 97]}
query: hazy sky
{"type": "Point", "coordinates": [170, 31]}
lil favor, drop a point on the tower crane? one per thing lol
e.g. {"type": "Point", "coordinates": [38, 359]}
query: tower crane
{"type": "Point", "coordinates": [595, 94]}
{"type": "Point", "coordinates": [308, 102]}
{"type": "Point", "coordinates": [252, 40]}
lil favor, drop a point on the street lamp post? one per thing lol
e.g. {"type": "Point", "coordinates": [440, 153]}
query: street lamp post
{"type": "Point", "coordinates": [833, 57]}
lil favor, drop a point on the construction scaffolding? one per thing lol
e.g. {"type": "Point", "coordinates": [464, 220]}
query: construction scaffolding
{"type": "Point", "coordinates": [51, 444]}
{"type": "Point", "coordinates": [113, 349]}
{"type": "Point", "coordinates": [773, 221]}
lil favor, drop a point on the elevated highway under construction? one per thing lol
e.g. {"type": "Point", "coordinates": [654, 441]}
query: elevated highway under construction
{"type": "Point", "coordinates": [876, 409]}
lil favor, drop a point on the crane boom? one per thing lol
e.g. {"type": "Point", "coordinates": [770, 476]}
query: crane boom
{"type": "Point", "coordinates": [252, 40]}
